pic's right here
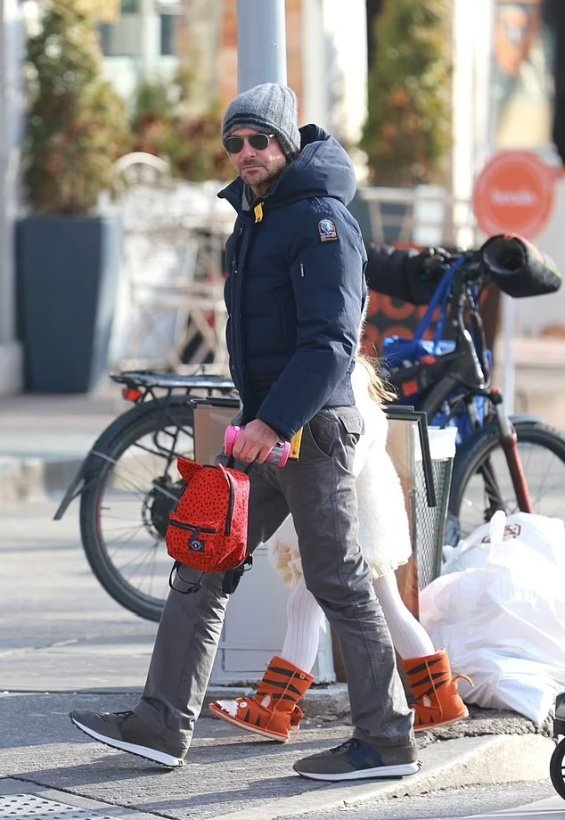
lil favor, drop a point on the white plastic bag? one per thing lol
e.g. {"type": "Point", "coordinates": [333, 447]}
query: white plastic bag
{"type": "Point", "coordinates": [499, 611]}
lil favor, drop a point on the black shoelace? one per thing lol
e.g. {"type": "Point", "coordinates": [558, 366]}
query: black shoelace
{"type": "Point", "coordinates": [350, 745]}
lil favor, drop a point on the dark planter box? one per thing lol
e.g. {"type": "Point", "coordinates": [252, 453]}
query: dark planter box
{"type": "Point", "coordinates": [67, 274]}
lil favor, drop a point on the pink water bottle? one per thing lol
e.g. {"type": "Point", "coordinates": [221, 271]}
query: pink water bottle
{"type": "Point", "coordinates": [278, 455]}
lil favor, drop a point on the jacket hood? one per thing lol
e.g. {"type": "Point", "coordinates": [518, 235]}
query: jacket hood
{"type": "Point", "coordinates": [322, 168]}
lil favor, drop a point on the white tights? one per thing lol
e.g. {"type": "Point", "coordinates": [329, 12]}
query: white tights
{"type": "Point", "coordinates": [305, 617]}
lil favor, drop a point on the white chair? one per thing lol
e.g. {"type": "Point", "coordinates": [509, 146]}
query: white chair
{"type": "Point", "coordinates": [171, 296]}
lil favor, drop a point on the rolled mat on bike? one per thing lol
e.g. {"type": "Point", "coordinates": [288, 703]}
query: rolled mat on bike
{"type": "Point", "coordinates": [518, 267]}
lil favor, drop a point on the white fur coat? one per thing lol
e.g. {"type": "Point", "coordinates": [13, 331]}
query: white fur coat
{"type": "Point", "coordinates": [384, 534]}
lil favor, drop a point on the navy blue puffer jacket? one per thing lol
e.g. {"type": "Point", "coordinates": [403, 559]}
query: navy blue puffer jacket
{"type": "Point", "coordinates": [295, 290]}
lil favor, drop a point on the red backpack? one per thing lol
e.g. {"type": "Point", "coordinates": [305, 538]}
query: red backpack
{"type": "Point", "coordinates": [208, 528]}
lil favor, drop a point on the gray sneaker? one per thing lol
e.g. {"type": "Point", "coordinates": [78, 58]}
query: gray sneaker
{"type": "Point", "coordinates": [125, 731]}
{"type": "Point", "coordinates": [357, 760]}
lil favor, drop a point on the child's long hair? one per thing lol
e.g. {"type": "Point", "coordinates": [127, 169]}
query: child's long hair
{"type": "Point", "coordinates": [381, 391]}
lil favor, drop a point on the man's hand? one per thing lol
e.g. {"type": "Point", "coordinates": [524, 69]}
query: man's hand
{"type": "Point", "coordinates": [430, 264]}
{"type": "Point", "coordinates": [254, 442]}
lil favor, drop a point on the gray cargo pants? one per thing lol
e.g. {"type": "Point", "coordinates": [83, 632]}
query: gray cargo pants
{"type": "Point", "coordinates": [319, 491]}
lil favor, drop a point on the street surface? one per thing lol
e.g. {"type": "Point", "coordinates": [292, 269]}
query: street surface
{"type": "Point", "coordinates": [508, 801]}
{"type": "Point", "coordinates": [64, 643]}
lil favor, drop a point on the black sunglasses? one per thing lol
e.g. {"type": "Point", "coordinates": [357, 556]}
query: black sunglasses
{"type": "Point", "coordinates": [259, 142]}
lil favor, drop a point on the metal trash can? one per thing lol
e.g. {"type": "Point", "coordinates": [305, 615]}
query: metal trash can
{"type": "Point", "coordinates": [430, 520]}
{"type": "Point", "coordinates": [423, 459]}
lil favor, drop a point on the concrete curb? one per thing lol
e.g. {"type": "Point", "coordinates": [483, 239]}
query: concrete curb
{"type": "Point", "coordinates": [22, 479]}
{"type": "Point", "coordinates": [328, 703]}
{"type": "Point", "coordinates": [449, 764]}
{"type": "Point", "coordinates": [33, 479]}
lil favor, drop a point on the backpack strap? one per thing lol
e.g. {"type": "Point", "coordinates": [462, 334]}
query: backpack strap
{"type": "Point", "coordinates": [231, 501]}
{"type": "Point", "coordinates": [230, 582]}
{"type": "Point", "coordinates": [230, 465]}
{"type": "Point", "coordinates": [189, 586]}
{"type": "Point", "coordinates": [232, 577]}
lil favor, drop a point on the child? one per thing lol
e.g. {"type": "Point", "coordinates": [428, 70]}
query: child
{"type": "Point", "coordinates": [384, 538]}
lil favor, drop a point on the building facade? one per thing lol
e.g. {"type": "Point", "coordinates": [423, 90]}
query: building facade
{"type": "Point", "coordinates": [326, 58]}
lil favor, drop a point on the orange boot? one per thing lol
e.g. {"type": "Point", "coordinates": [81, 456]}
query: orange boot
{"type": "Point", "coordinates": [272, 711]}
{"type": "Point", "coordinates": [437, 700]}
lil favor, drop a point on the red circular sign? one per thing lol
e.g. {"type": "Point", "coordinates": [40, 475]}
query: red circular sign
{"type": "Point", "coordinates": [514, 193]}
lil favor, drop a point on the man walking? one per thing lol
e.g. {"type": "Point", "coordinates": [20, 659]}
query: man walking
{"type": "Point", "coordinates": [295, 295]}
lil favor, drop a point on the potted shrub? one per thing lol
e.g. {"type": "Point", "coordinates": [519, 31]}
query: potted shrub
{"type": "Point", "coordinates": [408, 128]}
{"type": "Point", "coordinates": [67, 250]}
{"type": "Point", "coordinates": [165, 123]}
{"type": "Point", "coordinates": [407, 132]}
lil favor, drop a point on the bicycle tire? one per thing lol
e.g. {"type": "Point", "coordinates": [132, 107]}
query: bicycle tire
{"type": "Point", "coordinates": [542, 452]}
{"type": "Point", "coordinates": [125, 504]}
{"type": "Point", "coordinates": [557, 769]}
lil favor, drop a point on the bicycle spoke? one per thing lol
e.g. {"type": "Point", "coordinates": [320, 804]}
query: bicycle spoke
{"type": "Point", "coordinates": [489, 485]}
{"type": "Point", "coordinates": [125, 513]}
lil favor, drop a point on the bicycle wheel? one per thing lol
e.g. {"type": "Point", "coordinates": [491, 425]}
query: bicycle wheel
{"type": "Point", "coordinates": [126, 502]}
{"type": "Point", "coordinates": [481, 482]}
{"type": "Point", "coordinates": [557, 769]}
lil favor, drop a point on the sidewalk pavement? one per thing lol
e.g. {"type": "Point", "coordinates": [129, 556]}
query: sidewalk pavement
{"type": "Point", "coordinates": [65, 644]}
{"type": "Point", "coordinates": [44, 438]}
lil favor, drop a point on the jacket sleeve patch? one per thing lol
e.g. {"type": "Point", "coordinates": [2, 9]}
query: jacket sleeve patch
{"type": "Point", "coordinates": [327, 230]}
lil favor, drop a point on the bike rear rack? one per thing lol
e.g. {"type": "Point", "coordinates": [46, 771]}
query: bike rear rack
{"type": "Point", "coordinates": [173, 381]}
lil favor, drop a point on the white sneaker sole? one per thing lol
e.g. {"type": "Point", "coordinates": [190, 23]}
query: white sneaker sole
{"type": "Point", "coordinates": [141, 751]}
{"type": "Point", "coordinates": [366, 774]}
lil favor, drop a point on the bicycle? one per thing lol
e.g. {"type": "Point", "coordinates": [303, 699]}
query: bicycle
{"type": "Point", "coordinates": [128, 483]}
{"type": "Point", "coordinates": [450, 382]}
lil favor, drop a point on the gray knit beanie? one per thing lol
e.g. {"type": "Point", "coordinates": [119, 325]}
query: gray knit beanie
{"type": "Point", "coordinates": [270, 109]}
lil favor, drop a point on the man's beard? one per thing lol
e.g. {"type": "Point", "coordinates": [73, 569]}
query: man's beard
{"type": "Point", "coordinates": [265, 175]}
